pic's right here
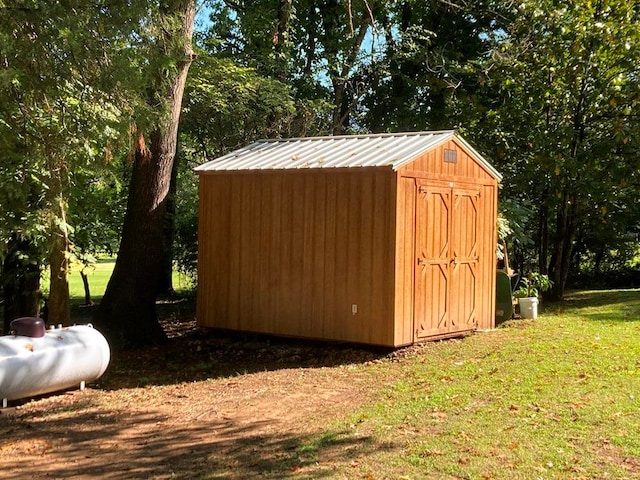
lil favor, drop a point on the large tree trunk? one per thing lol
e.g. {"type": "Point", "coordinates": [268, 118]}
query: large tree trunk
{"type": "Point", "coordinates": [58, 302]}
{"type": "Point", "coordinates": [127, 313]}
{"type": "Point", "coordinates": [567, 210]}
{"type": "Point", "coordinates": [165, 278]}
{"type": "Point", "coordinates": [563, 247]}
{"type": "Point", "coordinates": [543, 236]}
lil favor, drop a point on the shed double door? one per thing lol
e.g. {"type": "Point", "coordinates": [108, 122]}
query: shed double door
{"type": "Point", "coordinates": [446, 256]}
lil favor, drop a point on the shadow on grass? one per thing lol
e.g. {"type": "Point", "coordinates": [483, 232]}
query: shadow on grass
{"type": "Point", "coordinates": [132, 445]}
{"type": "Point", "coordinates": [600, 305]}
{"type": "Point", "coordinates": [194, 354]}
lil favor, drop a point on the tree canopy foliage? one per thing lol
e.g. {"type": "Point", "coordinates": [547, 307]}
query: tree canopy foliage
{"type": "Point", "coordinates": [563, 116]}
{"type": "Point", "coordinates": [60, 117]}
{"type": "Point", "coordinates": [547, 90]}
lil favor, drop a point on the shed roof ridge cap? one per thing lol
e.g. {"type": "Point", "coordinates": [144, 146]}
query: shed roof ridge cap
{"type": "Point", "coordinates": [358, 135]}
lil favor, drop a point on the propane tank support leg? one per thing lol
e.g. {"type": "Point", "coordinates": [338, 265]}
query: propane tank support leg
{"type": "Point", "coordinates": [4, 403]}
{"type": "Point", "coordinates": [82, 385]}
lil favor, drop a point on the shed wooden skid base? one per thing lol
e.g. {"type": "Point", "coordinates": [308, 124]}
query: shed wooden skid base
{"type": "Point", "coordinates": [391, 254]}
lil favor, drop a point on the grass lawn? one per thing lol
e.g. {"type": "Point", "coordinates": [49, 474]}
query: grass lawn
{"type": "Point", "coordinates": [555, 398]}
{"type": "Point", "coordinates": [99, 275]}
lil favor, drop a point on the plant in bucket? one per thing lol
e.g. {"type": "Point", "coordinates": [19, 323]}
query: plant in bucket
{"type": "Point", "coordinates": [527, 294]}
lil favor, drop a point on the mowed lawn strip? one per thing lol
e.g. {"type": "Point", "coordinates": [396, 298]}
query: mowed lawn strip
{"type": "Point", "coordinates": [558, 397]}
{"type": "Point", "coordinates": [98, 275]}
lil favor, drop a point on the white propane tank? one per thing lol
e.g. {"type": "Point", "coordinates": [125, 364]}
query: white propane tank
{"type": "Point", "coordinates": [60, 358]}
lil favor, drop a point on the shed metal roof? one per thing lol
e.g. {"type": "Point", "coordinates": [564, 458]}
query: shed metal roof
{"type": "Point", "coordinates": [349, 151]}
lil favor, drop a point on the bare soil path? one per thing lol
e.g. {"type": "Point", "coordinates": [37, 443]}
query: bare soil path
{"type": "Point", "coordinates": [205, 405]}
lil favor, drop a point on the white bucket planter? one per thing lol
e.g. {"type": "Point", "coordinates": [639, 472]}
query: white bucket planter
{"type": "Point", "coordinates": [528, 307]}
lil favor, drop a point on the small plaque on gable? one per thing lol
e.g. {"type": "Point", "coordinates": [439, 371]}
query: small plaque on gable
{"type": "Point", "coordinates": [450, 156]}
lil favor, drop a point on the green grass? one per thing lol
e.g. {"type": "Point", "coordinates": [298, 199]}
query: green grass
{"type": "Point", "coordinates": [99, 275]}
{"type": "Point", "coordinates": [555, 398]}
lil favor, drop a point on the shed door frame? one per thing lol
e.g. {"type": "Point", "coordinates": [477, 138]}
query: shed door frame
{"type": "Point", "coordinates": [446, 258]}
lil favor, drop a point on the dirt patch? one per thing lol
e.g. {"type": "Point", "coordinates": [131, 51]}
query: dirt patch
{"type": "Point", "coordinates": [205, 405]}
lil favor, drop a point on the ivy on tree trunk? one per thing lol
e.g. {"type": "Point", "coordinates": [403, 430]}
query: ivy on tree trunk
{"type": "Point", "coordinates": [165, 277]}
{"type": "Point", "coordinates": [58, 302]}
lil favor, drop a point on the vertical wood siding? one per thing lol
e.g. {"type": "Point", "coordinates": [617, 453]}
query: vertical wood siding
{"type": "Point", "coordinates": [405, 261]}
{"type": "Point", "coordinates": [290, 253]}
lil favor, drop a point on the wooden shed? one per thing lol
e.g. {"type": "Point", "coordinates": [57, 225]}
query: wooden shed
{"type": "Point", "coordinates": [379, 239]}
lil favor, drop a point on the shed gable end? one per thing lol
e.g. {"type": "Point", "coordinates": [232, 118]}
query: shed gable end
{"type": "Point", "coordinates": [450, 159]}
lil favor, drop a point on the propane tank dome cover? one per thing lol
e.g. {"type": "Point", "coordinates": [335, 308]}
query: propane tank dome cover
{"type": "Point", "coordinates": [28, 327]}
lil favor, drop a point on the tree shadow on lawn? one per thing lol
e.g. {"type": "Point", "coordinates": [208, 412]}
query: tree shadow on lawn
{"type": "Point", "coordinates": [600, 305]}
{"type": "Point", "coordinates": [81, 441]}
